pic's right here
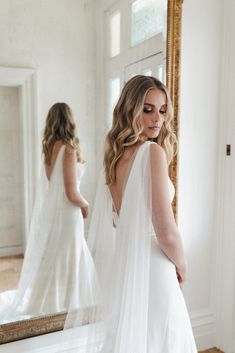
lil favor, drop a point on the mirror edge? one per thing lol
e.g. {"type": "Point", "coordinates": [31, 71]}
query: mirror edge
{"type": "Point", "coordinates": [174, 22]}
{"type": "Point", "coordinates": [37, 326]}
{"type": "Point", "coordinates": [27, 328]}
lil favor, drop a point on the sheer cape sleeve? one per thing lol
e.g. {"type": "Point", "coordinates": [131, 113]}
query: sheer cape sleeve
{"type": "Point", "coordinates": [122, 260]}
{"type": "Point", "coordinates": [45, 221]}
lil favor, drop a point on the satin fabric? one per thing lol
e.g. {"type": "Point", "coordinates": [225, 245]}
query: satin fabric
{"type": "Point", "coordinates": [58, 267]}
{"type": "Point", "coordinates": [140, 307]}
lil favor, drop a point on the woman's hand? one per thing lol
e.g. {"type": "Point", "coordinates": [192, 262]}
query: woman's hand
{"type": "Point", "coordinates": [181, 274]}
{"type": "Point", "coordinates": [85, 211]}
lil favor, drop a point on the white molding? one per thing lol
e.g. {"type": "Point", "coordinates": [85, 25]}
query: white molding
{"type": "Point", "coordinates": [25, 79]}
{"type": "Point", "coordinates": [11, 250]}
{"type": "Point", "coordinates": [202, 317]}
{"type": "Point", "coordinates": [223, 281]}
{"type": "Point", "coordinates": [29, 143]}
{"type": "Point", "coordinates": [14, 76]}
{"type": "Point", "coordinates": [203, 324]}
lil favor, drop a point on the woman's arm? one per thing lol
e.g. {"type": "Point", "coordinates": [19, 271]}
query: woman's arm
{"type": "Point", "coordinates": [70, 179]}
{"type": "Point", "coordinates": [162, 213]}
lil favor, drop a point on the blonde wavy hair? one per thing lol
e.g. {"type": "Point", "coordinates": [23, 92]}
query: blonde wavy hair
{"type": "Point", "coordinates": [126, 128]}
{"type": "Point", "coordinates": [60, 126]}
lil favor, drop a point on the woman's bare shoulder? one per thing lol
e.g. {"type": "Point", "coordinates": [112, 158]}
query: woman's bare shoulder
{"type": "Point", "coordinates": [158, 159]}
{"type": "Point", "coordinates": [69, 151]}
{"type": "Point", "coordinates": [157, 152]}
{"type": "Point", "coordinates": [69, 155]}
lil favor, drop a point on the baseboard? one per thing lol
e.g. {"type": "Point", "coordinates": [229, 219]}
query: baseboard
{"type": "Point", "coordinates": [11, 251]}
{"type": "Point", "coordinates": [203, 324]}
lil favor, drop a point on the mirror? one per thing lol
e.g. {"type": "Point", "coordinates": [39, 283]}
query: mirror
{"type": "Point", "coordinates": [154, 49]}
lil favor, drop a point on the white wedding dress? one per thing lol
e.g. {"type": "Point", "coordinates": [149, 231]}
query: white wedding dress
{"type": "Point", "coordinates": [58, 268]}
{"type": "Point", "coordinates": [169, 329]}
{"type": "Point", "coordinates": [142, 309]}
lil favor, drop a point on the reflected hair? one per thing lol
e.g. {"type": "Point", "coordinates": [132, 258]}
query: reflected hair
{"type": "Point", "coordinates": [126, 127]}
{"type": "Point", "coordinates": [60, 126]}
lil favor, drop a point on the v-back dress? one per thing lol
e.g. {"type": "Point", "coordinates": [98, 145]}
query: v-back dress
{"type": "Point", "coordinates": [144, 301]}
{"type": "Point", "coordinates": [58, 268]}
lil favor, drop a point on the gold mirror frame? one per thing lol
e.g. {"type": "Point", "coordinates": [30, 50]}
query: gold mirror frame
{"type": "Point", "coordinates": [50, 323]}
{"type": "Point", "coordinates": [174, 21]}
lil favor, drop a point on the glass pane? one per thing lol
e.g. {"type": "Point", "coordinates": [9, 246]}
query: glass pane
{"type": "Point", "coordinates": [148, 17]}
{"type": "Point", "coordinates": [114, 95]}
{"type": "Point", "coordinates": [115, 34]}
{"type": "Point", "coordinates": [160, 73]}
{"type": "Point", "coordinates": [147, 72]}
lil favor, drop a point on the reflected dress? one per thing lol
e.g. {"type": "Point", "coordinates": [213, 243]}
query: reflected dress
{"type": "Point", "coordinates": [58, 269]}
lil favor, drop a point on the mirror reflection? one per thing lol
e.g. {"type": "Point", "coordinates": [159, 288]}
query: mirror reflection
{"type": "Point", "coordinates": [57, 261]}
{"type": "Point", "coordinates": [82, 52]}
{"type": "Point", "coordinates": [42, 247]}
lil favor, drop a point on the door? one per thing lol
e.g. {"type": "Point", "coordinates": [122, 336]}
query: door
{"type": "Point", "coordinates": [150, 66]}
{"type": "Point", "coordinates": [11, 186]}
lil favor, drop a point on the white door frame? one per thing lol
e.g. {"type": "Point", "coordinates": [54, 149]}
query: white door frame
{"type": "Point", "coordinates": [152, 62]}
{"type": "Point", "coordinates": [25, 80]}
{"type": "Point", "coordinates": [224, 277]}
{"type": "Point", "coordinates": [108, 68]}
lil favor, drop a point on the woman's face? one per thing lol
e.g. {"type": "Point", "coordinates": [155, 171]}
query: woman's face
{"type": "Point", "coordinates": [154, 113]}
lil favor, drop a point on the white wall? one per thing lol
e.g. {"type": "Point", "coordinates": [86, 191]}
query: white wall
{"type": "Point", "coordinates": [56, 38]}
{"type": "Point", "coordinates": [225, 254]}
{"type": "Point", "coordinates": [198, 156]}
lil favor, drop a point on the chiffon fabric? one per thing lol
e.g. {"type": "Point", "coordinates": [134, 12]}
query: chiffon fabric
{"type": "Point", "coordinates": [139, 304]}
{"type": "Point", "coordinates": [58, 268]}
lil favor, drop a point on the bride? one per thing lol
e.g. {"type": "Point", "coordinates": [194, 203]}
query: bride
{"type": "Point", "coordinates": [57, 267]}
{"type": "Point", "coordinates": [133, 236]}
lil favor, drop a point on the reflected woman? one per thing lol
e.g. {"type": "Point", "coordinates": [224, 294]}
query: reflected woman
{"type": "Point", "coordinates": [58, 267]}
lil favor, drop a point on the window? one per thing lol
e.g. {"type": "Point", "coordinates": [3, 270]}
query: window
{"type": "Point", "coordinates": [114, 23]}
{"type": "Point", "coordinates": [148, 18]}
{"type": "Point", "coordinates": [113, 95]}
{"type": "Point", "coordinates": [148, 72]}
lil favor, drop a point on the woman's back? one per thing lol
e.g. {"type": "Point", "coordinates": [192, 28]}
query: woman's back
{"type": "Point", "coordinates": [55, 151]}
{"type": "Point", "coordinates": [122, 173]}
{"type": "Point", "coordinates": [65, 170]}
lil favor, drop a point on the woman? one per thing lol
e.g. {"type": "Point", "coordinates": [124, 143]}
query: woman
{"type": "Point", "coordinates": [137, 248]}
{"type": "Point", "coordinates": [58, 267]}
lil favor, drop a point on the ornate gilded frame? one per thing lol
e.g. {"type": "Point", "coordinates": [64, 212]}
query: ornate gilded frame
{"type": "Point", "coordinates": [18, 330]}
{"type": "Point", "coordinates": [37, 326]}
{"type": "Point", "coordinates": [174, 20]}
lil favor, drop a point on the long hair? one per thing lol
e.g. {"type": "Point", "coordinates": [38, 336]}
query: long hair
{"type": "Point", "coordinates": [126, 128]}
{"type": "Point", "coordinates": [60, 126]}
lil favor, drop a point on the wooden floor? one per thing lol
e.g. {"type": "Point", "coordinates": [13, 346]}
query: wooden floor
{"type": "Point", "coordinates": [10, 268]}
{"type": "Point", "coordinates": [212, 350]}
